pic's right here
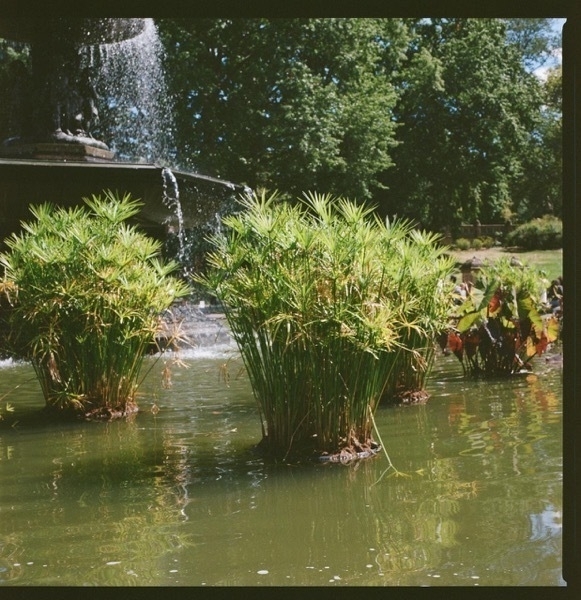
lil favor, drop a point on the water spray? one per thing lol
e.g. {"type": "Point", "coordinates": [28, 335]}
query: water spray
{"type": "Point", "coordinates": [171, 199]}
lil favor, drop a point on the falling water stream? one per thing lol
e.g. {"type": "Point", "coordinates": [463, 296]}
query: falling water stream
{"type": "Point", "coordinates": [136, 116]}
{"type": "Point", "coordinates": [171, 198]}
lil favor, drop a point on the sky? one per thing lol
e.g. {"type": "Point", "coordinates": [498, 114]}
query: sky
{"type": "Point", "coordinates": [541, 72]}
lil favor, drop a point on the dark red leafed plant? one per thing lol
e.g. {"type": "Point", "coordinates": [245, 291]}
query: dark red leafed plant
{"type": "Point", "coordinates": [499, 328]}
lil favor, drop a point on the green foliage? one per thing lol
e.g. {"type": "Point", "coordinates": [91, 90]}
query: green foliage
{"type": "Point", "coordinates": [297, 103]}
{"type": "Point", "coordinates": [499, 328]}
{"type": "Point", "coordinates": [534, 39]}
{"type": "Point", "coordinates": [468, 112]}
{"type": "Point", "coordinates": [8, 293]}
{"type": "Point", "coordinates": [90, 288]}
{"type": "Point", "coordinates": [477, 243]}
{"type": "Point", "coordinates": [463, 244]}
{"type": "Point", "coordinates": [327, 304]}
{"type": "Point", "coordinates": [439, 120]}
{"type": "Point", "coordinates": [16, 98]}
{"type": "Point", "coordinates": [545, 233]}
{"type": "Point", "coordinates": [539, 190]}
{"type": "Point", "coordinates": [486, 241]}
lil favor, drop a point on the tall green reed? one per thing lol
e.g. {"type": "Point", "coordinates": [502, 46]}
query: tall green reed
{"type": "Point", "coordinates": [90, 289]}
{"type": "Point", "coordinates": [321, 308]}
{"type": "Point", "coordinates": [422, 284]}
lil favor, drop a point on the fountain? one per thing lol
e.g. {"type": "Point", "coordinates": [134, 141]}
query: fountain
{"type": "Point", "coordinates": [77, 93]}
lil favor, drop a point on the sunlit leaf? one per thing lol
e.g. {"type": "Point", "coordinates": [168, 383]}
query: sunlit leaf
{"type": "Point", "coordinates": [468, 321]}
{"type": "Point", "coordinates": [495, 303]}
{"type": "Point", "coordinates": [553, 329]}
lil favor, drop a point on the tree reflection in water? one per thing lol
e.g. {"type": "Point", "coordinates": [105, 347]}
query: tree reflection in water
{"type": "Point", "coordinates": [177, 497]}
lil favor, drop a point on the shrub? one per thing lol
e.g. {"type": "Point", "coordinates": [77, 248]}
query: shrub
{"type": "Point", "coordinates": [545, 233]}
{"type": "Point", "coordinates": [477, 243]}
{"type": "Point", "coordinates": [89, 292]}
{"type": "Point", "coordinates": [487, 241]}
{"type": "Point", "coordinates": [326, 304]}
{"type": "Point", "coordinates": [463, 244]}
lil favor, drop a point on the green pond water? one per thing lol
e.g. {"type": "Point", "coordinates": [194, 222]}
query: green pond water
{"type": "Point", "coordinates": [176, 497]}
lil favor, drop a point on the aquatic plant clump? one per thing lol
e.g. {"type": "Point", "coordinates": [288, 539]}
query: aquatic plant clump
{"type": "Point", "coordinates": [500, 326]}
{"type": "Point", "coordinates": [90, 289]}
{"type": "Point", "coordinates": [421, 284]}
{"type": "Point", "coordinates": [319, 300]}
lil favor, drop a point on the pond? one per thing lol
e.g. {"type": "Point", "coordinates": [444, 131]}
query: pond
{"type": "Point", "coordinates": [175, 496]}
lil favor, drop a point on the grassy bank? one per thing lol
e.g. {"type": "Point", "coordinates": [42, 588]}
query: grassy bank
{"type": "Point", "coordinates": [549, 261]}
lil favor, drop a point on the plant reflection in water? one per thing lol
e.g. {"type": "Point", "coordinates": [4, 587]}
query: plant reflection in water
{"type": "Point", "coordinates": [176, 496]}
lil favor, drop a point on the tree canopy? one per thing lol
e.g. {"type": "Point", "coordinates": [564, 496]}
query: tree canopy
{"type": "Point", "coordinates": [288, 103]}
{"type": "Point", "coordinates": [438, 120]}
{"type": "Point", "coordinates": [469, 111]}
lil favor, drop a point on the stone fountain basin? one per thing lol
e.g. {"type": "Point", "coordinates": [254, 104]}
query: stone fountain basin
{"type": "Point", "coordinates": [25, 182]}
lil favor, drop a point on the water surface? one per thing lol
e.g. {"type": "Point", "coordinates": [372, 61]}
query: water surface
{"type": "Point", "coordinates": [175, 496]}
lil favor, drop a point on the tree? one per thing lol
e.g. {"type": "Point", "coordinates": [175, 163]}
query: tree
{"type": "Point", "coordinates": [534, 39]}
{"type": "Point", "coordinates": [539, 191]}
{"type": "Point", "coordinates": [438, 120]}
{"type": "Point", "coordinates": [290, 104]}
{"type": "Point", "coordinates": [467, 111]}
{"type": "Point", "coordinates": [15, 84]}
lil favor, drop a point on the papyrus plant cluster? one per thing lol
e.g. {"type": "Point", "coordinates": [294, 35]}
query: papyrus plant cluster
{"type": "Point", "coordinates": [89, 292]}
{"type": "Point", "coordinates": [330, 306]}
